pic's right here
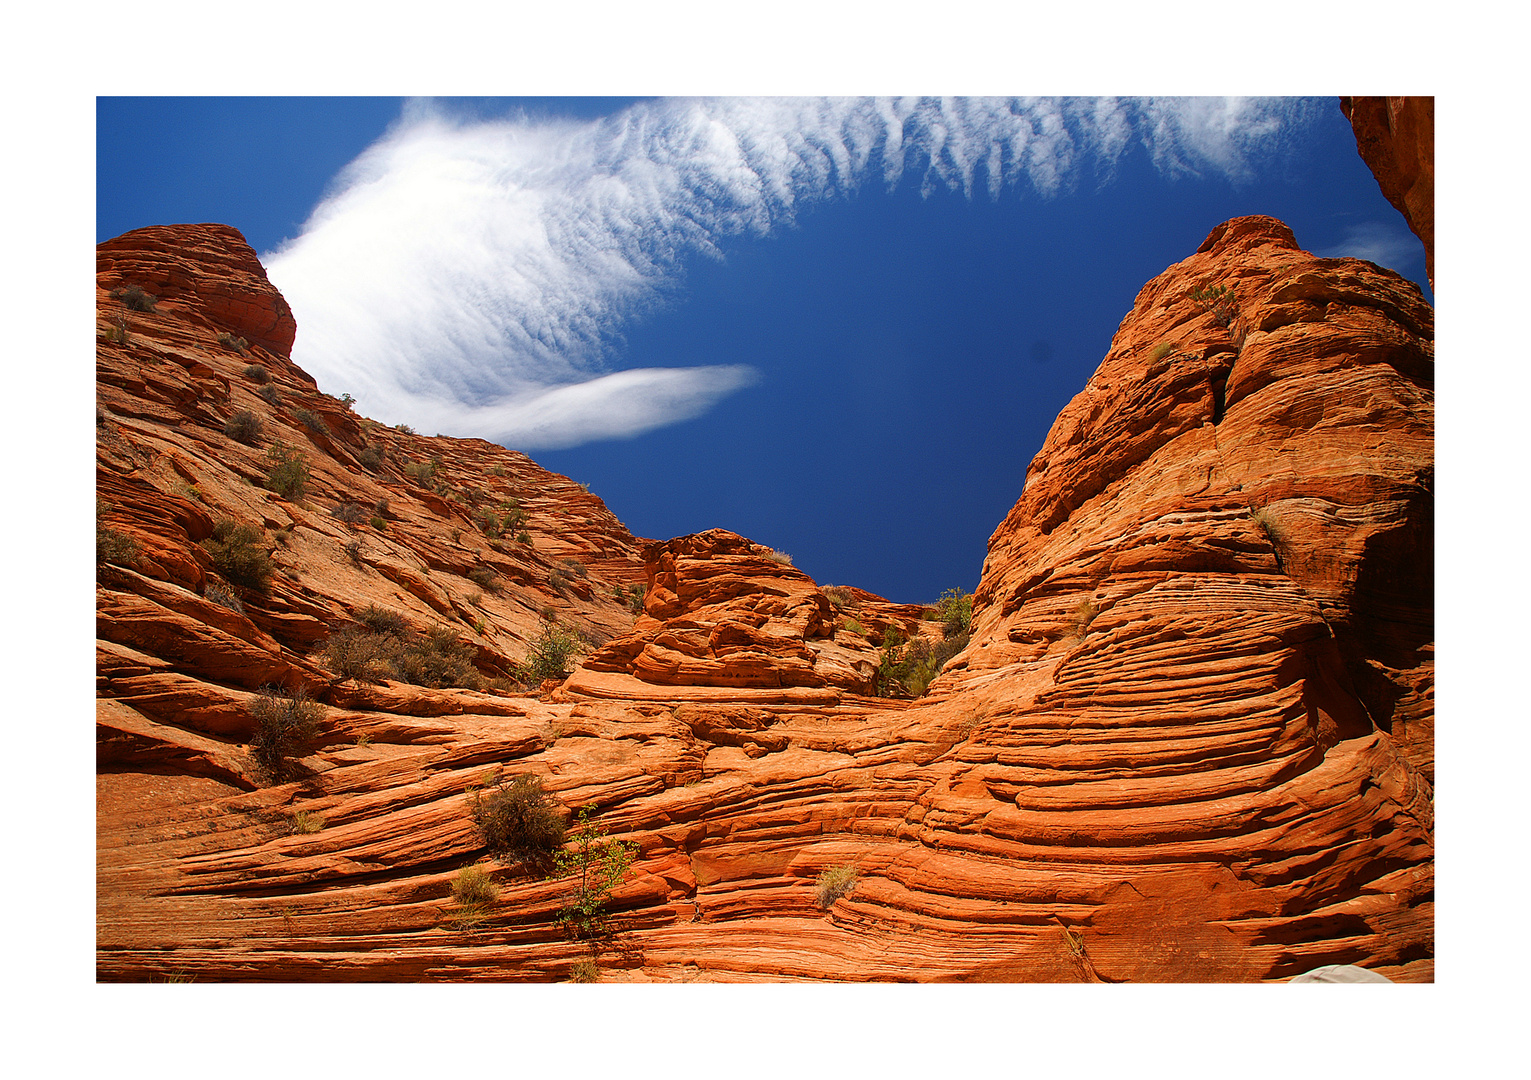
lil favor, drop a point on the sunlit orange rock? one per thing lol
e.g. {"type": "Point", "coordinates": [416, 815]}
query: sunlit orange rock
{"type": "Point", "coordinates": [1189, 740]}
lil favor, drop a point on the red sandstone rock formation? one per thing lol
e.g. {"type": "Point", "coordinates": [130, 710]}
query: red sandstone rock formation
{"type": "Point", "coordinates": [1189, 740]}
{"type": "Point", "coordinates": [722, 611]}
{"type": "Point", "coordinates": [1396, 138]}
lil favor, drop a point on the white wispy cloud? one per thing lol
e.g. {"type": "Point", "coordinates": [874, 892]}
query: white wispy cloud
{"type": "Point", "coordinates": [474, 277]}
{"type": "Point", "coordinates": [1388, 244]}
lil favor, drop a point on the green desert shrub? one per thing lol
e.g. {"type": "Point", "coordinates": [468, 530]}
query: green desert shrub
{"type": "Point", "coordinates": [357, 654]}
{"type": "Point", "coordinates": [1218, 301]}
{"type": "Point", "coordinates": [922, 661]}
{"type": "Point", "coordinates": [239, 554]}
{"type": "Point", "coordinates": [287, 472]}
{"type": "Point", "coordinates": [507, 518]}
{"type": "Point", "coordinates": [371, 458]}
{"type": "Point", "coordinates": [1159, 352]}
{"type": "Point", "coordinates": [421, 472]}
{"type": "Point", "coordinates": [955, 610]}
{"type": "Point", "coordinates": [257, 373]}
{"type": "Point", "coordinates": [115, 547]}
{"type": "Point", "coordinates": [270, 395]}
{"type": "Point", "coordinates": [834, 882]}
{"type": "Point", "coordinates": [519, 821]}
{"type": "Point", "coordinates": [228, 340]}
{"type": "Point", "coordinates": [244, 426]}
{"type": "Point", "coordinates": [548, 655]}
{"type": "Point", "coordinates": [284, 723]}
{"type": "Point", "coordinates": [134, 298]}
{"type": "Point", "coordinates": [908, 669]}
{"type": "Point", "coordinates": [575, 567]}
{"type": "Point", "coordinates": [436, 659]}
{"type": "Point", "coordinates": [596, 864]}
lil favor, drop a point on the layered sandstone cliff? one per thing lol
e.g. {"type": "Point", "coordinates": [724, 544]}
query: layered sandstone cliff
{"type": "Point", "coordinates": [1190, 738]}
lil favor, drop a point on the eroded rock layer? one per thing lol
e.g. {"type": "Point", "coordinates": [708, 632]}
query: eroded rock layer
{"type": "Point", "coordinates": [1190, 738]}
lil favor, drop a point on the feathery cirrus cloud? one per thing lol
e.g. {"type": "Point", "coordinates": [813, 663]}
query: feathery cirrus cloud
{"type": "Point", "coordinates": [474, 277]}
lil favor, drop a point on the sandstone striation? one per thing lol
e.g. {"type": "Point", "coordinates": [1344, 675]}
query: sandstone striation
{"type": "Point", "coordinates": [1190, 738]}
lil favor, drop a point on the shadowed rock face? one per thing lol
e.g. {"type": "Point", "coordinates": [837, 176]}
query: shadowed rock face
{"type": "Point", "coordinates": [1191, 737]}
{"type": "Point", "coordinates": [1396, 139]}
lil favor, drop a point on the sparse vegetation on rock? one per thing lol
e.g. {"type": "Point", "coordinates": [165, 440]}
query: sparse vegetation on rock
{"type": "Point", "coordinates": [473, 887]}
{"type": "Point", "coordinates": [519, 821]}
{"type": "Point", "coordinates": [244, 426]}
{"type": "Point", "coordinates": [1218, 301]}
{"type": "Point", "coordinates": [239, 554]}
{"type": "Point", "coordinates": [548, 655]}
{"type": "Point", "coordinates": [112, 545]}
{"type": "Point", "coordinates": [306, 823]}
{"type": "Point", "coordinates": [135, 298]}
{"type": "Point", "coordinates": [287, 474]}
{"type": "Point", "coordinates": [435, 658]}
{"type": "Point", "coordinates": [284, 723]}
{"type": "Point", "coordinates": [596, 865]}
{"type": "Point", "coordinates": [835, 882]}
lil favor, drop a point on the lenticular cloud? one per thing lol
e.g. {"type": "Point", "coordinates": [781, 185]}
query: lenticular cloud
{"type": "Point", "coordinates": [474, 277]}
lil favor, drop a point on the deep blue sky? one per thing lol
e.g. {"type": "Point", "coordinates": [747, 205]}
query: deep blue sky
{"type": "Point", "coordinates": [911, 351]}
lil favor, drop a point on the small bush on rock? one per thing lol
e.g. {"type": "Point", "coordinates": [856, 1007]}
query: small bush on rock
{"type": "Point", "coordinates": [288, 472]}
{"type": "Point", "coordinates": [835, 882]}
{"type": "Point", "coordinates": [239, 554]}
{"type": "Point", "coordinates": [223, 598]}
{"type": "Point", "coordinates": [548, 656]}
{"type": "Point", "coordinates": [519, 821]}
{"type": "Point", "coordinates": [485, 579]}
{"type": "Point", "coordinates": [257, 373]}
{"type": "Point", "coordinates": [381, 620]}
{"type": "Point", "coordinates": [473, 886]}
{"type": "Point", "coordinates": [311, 420]}
{"type": "Point", "coordinates": [350, 513]}
{"type": "Point", "coordinates": [306, 823]}
{"type": "Point", "coordinates": [134, 298]}
{"type": "Point", "coordinates": [112, 546]}
{"type": "Point", "coordinates": [955, 610]}
{"type": "Point", "coordinates": [283, 724]}
{"type": "Point", "coordinates": [244, 426]}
